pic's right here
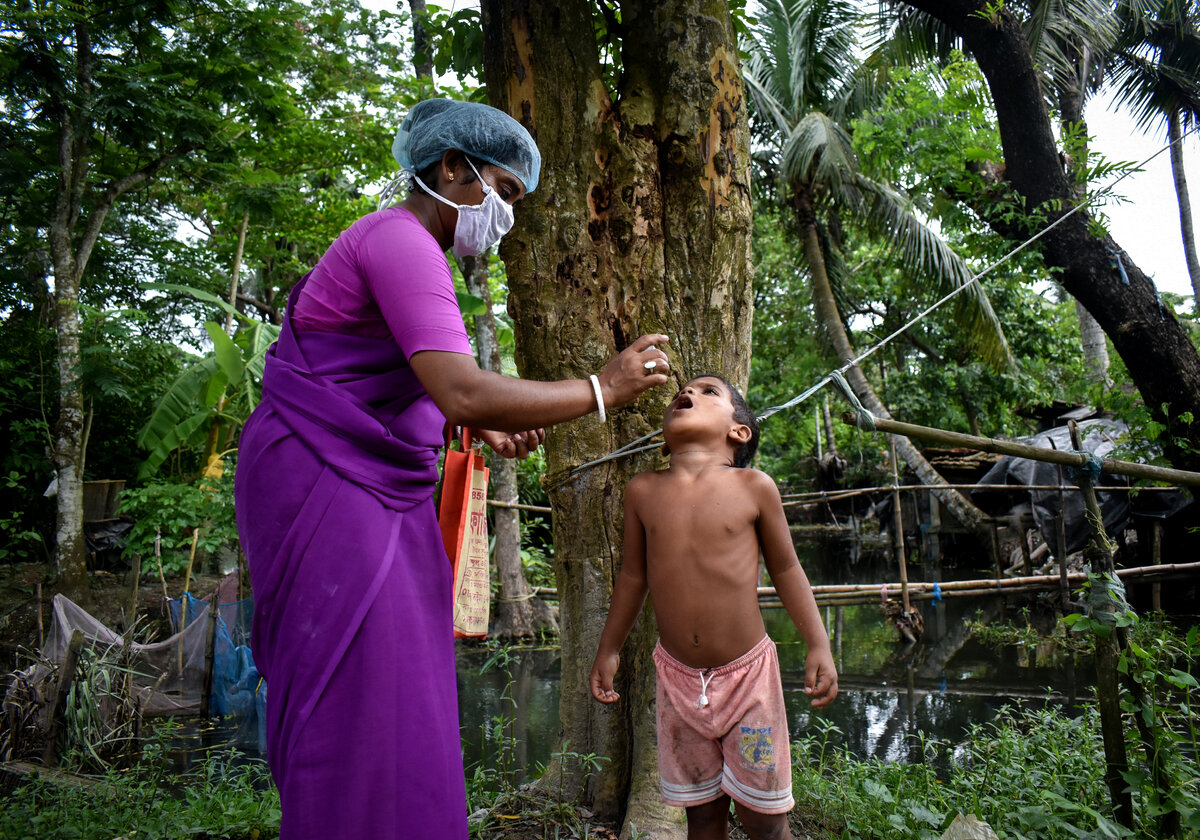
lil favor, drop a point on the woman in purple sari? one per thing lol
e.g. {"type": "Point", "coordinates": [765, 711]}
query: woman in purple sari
{"type": "Point", "coordinates": [335, 482]}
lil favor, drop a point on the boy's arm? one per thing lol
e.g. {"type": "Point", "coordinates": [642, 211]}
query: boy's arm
{"type": "Point", "coordinates": [792, 586]}
{"type": "Point", "coordinates": [629, 593]}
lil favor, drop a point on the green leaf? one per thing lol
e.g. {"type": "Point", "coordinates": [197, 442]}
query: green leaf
{"type": "Point", "coordinates": [228, 354]}
{"type": "Point", "coordinates": [469, 304]}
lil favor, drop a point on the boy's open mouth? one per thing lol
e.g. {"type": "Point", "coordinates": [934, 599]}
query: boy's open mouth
{"type": "Point", "coordinates": [682, 402]}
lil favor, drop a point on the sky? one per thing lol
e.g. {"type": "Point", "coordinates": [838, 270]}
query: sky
{"type": "Point", "coordinates": [1147, 225]}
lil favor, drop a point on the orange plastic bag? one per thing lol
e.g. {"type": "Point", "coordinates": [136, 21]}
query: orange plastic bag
{"type": "Point", "coordinates": [462, 515]}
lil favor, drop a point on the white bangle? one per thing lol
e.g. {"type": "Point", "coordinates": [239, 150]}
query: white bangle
{"type": "Point", "coordinates": [599, 397]}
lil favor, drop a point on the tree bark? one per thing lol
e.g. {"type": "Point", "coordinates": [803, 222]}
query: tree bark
{"type": "Point", "coordinates": [641, 224]}
{"type": "Point", "coordinates": [1160, 358]}
{"type": "Point", "coordinates": [969, 516]}
{"type": "Point", "coordinates": [1187, 231]}
{"type": "Point", "coordinates": [1070, 107]}
{"type": "Point", "coordinates": [518, 613]}
{"type": "Point", "coordinates": [422, 58]}
{"type": "Point", "coordinates": [1095, 348]}
{"type": "Point", "coordinates": [69, 558]}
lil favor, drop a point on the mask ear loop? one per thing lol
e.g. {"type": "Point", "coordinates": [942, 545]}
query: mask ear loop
{"type": "Point", "coordinates": [388, 194]}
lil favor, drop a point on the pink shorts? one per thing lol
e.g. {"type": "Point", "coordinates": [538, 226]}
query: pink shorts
{"type": "Point", "coordinates": [724, 730]}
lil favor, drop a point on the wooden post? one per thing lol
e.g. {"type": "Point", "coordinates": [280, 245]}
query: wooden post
{"type": "Point", "coordinates": [1026, 559]}
{"type": "Point", "coordinates": [158, 560]}
{"type": "Point", "coordinates": [1156, 553]}
{"type": "Point", "coordinates": [58, 703]}
{"type": "Point", "coordinates": [41, 627]}
{"type": "Point", "coordinates": [210, 644]}
{"type": "Point", "coordinates": [839, 625]}
{"type": "Point", "coordinates": [1060, 534]}
{"type": "Point", "coordinates": [1107, 655]}
{"type": "Point", "coordinates": [183, 599]}
{"type": "Point", "coordinates": [996, 551]}
{"type": "Point", "coordinates": [131, 618]}
{"type": "Point", "coordinates": [898, 518]}
{"type": "Point", "coordinates": [817, 432]}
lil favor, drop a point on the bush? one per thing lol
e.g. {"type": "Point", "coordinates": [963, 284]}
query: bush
{"type": "Point", "coordinates": [174, 511]}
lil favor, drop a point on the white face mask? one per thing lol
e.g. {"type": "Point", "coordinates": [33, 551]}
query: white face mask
{"type": "Point", "coordinates": [480, 226]}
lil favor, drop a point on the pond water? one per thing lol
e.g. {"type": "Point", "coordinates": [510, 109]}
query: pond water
{"type": "Point", "coordinates": [892, 695]}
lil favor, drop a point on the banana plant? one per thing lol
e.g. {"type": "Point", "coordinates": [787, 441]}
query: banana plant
{"type": "Point", "coordinates": [209, 402]}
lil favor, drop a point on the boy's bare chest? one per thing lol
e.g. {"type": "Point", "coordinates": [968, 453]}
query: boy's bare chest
{"type": "Point", "coordinates": [715, 522]}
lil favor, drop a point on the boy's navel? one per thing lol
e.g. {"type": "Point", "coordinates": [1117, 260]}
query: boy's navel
{"type": "Point", "coordinates": [695, 640]}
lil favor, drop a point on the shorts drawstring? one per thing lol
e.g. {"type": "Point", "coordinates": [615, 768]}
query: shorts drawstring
{"type": "Point", "coordinates": [705, 676]}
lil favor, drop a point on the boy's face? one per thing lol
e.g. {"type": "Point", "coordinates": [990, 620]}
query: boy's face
{"type": "Point", "coordinates": [703, 403]}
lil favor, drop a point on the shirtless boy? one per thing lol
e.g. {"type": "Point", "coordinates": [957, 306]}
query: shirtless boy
{"type": "Point", "coordinates": [693, 534]}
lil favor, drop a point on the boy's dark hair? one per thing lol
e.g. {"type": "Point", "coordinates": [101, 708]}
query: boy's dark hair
{"type": "Point", "coordinates": [744, 454]}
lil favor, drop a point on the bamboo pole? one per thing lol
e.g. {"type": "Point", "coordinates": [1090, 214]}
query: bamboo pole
{"type": "Point", "coordinates": [1033, 453]}
{"type": "Point", "coordinates": [158, 559]}
{"type": "Point", "coordinates": [183, 599]}
{"type": "Point", "coordinates": [898, 537]}
{"type": "Point", "coordinates": [516, 506]}
{"type": "Point", "coordinates": [924, 590]}
{"type": "Point", "coordinates": [41, 626]}
{"type": "Point", "coordinates": [1156, 554]}
{"type": "Point", "coordinates": [836, 495]}
{"type": "Point", "coordinates": [210, 646]}
{"type": "Point", "coordinates": [1060, 536]}
{"type": "Point", "coordinates": [1112, 727]}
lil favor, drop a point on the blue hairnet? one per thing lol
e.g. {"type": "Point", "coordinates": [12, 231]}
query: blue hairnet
{"type": "Point", "coordinates": [434, 126]}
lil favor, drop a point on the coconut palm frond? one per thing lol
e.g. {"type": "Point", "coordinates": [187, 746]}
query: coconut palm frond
{"type": "Point", "coordinates": [901, 36]}
{"type": "Point", "coordinates": [1150, 91]}
{"type": "Point", "coordinates": [924, 253]}
{"type": "Point", "coordinates": [1155, 67]}
{"type": "Point", "coordinates": [764, 101]}
{"type": "Point", "coordinates": [818, 151]}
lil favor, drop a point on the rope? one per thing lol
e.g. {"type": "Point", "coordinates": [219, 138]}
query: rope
{"type": "Point", "coordinates": [1091, 467]}
{"type": "Point", "coordinates": [866, 420]}
{"type": "Point", "coordinates": [632, 447]}
{"type": "Point", "coordinates": [516, 600]}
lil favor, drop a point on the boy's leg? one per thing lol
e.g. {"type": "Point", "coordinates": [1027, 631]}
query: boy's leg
{"type": "Point", "coordinates": [761, 826]}
{"type": "Point", "coordinates": [709, 821]}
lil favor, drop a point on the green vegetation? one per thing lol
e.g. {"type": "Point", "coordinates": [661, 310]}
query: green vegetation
{"type": "Point", "coordinates": [217, 799]}
{"type": "Point", "coordinates": [1030, 773]}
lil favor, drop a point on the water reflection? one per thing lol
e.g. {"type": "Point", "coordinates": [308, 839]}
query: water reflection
{"type": "Point", "coordinates": [892, 696]}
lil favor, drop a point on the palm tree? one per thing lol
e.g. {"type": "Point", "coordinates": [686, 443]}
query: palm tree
{"type": "Point", "coordinates": [1156, 70]}
{"type": "Point", "coordinates": [806, 82]}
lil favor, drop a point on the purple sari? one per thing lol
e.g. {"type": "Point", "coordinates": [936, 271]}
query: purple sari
{"type": "Point", "coordinates": [352, 614]}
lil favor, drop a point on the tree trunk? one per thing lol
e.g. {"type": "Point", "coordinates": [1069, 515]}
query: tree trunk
{"type": "Point", "coordinates": [517, 612]}
{"type": "Point", "coordinates": [1095, 348]}
{"type": "Point", "coordinates": [70, 566]}
{"type": "Point", "coordinates": [969, 516]}
{"type": "Point", "coordinates": [1070, 109]}
{"type": "Point", "coordinates": [641, 224]}
{"type": "Point", "coordinates": [1160, 358]}
{"type": "Point", "coordinates": [422, 58]}
{"type": "Point", "coordinates": [1175, 136]}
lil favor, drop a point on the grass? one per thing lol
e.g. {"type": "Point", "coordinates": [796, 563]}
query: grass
{"type": "Point", "coordinates": [215, 800]}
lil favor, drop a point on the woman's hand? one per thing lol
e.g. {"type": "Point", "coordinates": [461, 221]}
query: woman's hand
{"type": "Point", "coordinates": [517, 445]}
{"type": "Point", "coordinates": [637, 368]}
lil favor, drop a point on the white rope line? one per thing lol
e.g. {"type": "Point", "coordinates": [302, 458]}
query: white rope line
{"type": "Point", "coordinates": [632, 448]}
